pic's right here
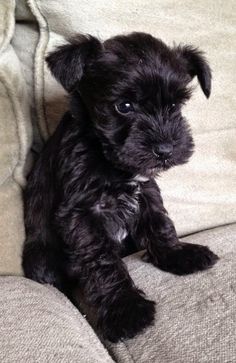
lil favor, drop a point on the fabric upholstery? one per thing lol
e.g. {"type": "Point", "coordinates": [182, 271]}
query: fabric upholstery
{"type": "Point", "coordinates": [38, 324]}
{"type": "Point", "coordinates": [15, 139]}
{"type": "Point", "coordinates": [195, 314]}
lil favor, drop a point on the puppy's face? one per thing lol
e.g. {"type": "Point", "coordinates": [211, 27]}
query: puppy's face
{"type": "Point", "coordinates": [134, 87]}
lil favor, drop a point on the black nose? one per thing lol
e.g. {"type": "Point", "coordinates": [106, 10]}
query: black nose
{"type": "Point", "coordinates": [164, 150]}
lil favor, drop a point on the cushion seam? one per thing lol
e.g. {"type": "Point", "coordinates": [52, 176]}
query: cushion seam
{"type": "Point", "coordinates": [17, 173]}
{"type": "Point", "coordinates": [39, 79]}
{"type": "Point", "coordinates": [128, 352]}
{"type": "Point", "coordinates": [208, 229]}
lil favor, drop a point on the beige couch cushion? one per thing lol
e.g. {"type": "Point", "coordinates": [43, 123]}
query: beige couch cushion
{"type": "Point", "coordinates": [195, 314]}
{"type": "Point", "coordinates": [38, 324]}
{"type": "Point", "coordinates": [15, 138]}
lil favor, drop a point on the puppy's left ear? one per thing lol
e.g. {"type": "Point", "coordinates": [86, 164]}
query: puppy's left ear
{"type": "Point", "coordinates": [67, 63]}
{"type": "Point", "coordinates": [196, 65]}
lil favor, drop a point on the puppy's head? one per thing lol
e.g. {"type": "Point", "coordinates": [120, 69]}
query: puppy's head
{"type": "Point", "coordinates": [134, 87]}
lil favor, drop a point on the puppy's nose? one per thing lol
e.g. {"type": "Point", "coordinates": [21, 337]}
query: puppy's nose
{"type": "Point", "coordinates": [164, 150]}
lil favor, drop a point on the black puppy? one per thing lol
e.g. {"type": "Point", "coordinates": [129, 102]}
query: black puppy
{"type": "Point", "coordinates": [91, 197]}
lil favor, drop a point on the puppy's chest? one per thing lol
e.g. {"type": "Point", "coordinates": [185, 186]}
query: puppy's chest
{"type": "Point", "coordinates": [119, 208]}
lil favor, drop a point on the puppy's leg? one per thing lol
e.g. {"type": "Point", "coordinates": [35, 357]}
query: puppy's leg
{"type": "Point", "coordinates": [42, 264]}
{"type": "Point", "coordinates": [129, 246]}
{"type": "Point", "coordinates": [91, 259]}
{"type": "Point", "coordinates": [164, 249]}
{"type": "Point", "coordinates": [41, 257]}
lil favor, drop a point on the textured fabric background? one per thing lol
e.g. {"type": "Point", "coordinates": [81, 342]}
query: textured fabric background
{"type": "Point", "coordinates": [15, 139]}
{"type": "Point", "coordinates": [195, 314]}
{"type": "Point", "coordinates": [38, 324]}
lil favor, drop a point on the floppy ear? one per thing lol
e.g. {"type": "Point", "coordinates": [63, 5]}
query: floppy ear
{"type": "Point", "coordinates": [68, 61]}
{"type": "Point", "coordinates": [197, 65]}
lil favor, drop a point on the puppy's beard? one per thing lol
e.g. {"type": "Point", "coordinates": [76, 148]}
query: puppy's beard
{"type": "Point", "coordinates": [149, 173]}
{"type": "Point", "coordinates": [163, 166]}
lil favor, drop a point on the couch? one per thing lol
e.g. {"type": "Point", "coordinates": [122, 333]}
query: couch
{"type": "Point", "coordinates": [196, 314]}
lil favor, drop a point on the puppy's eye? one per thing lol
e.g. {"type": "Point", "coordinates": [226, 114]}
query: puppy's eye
{"type": "Point", "coordinates": [173, 107]}
{"type": "Point", "coordinates": [124, 107]}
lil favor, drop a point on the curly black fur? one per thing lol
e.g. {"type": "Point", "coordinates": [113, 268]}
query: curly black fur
{"type": "Point", "coordinates": [91, 197]}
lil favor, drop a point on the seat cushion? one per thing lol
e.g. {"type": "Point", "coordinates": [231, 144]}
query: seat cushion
{"type": "Point", "coordinates": [39, 324]}
{"type": "Point", "coordinates": [195, 314]}
{"type": "Point", "coordinates": [15, 140]}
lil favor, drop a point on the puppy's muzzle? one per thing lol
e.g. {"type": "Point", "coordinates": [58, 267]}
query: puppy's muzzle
{"type": "Point", "coordinates": [163, 151]}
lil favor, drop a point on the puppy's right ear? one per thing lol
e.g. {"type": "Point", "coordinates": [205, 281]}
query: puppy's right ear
{"type": "Point", "coordinates": [196, 65]}
{"type": "Point", "coordinates": [68, 61]}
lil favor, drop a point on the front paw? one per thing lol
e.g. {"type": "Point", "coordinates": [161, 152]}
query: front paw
{"type": "Point", "coordinates": [183, 258]}
{"type": "Point", "coordinates": [126, 316]}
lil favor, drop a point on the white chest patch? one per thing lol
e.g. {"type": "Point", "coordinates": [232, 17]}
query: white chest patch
{"type": "Point", "coordinates": [120, 235]}
{"type": "Point", "coordinates": [141, 178]}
